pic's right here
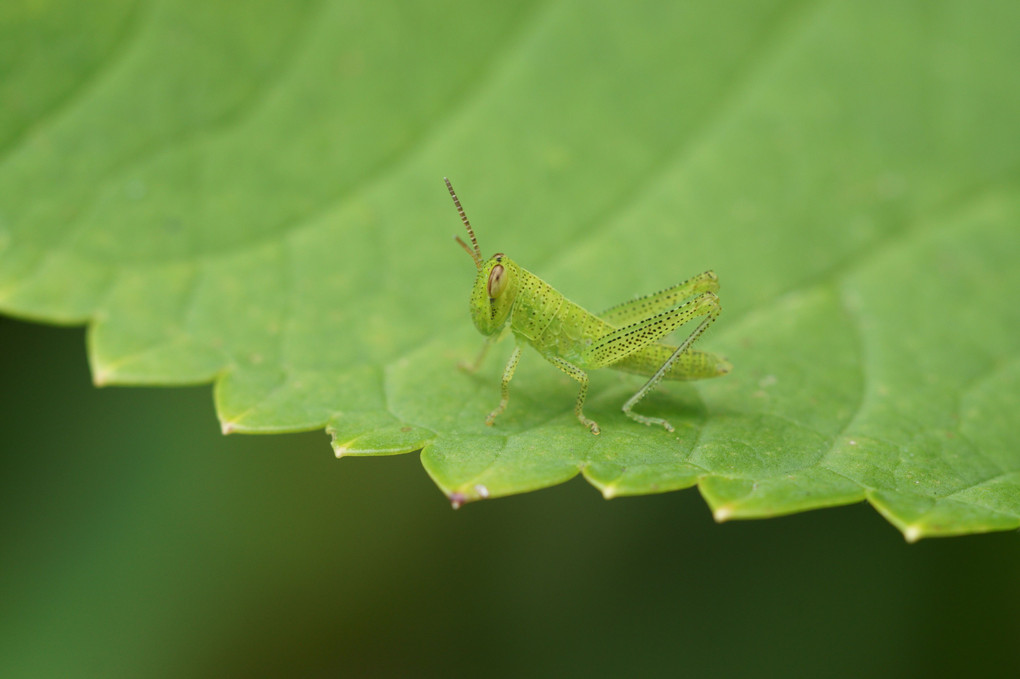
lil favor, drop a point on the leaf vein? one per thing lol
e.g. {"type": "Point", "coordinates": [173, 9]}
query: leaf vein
{"type": "Point", "coordinates": [121, 46]}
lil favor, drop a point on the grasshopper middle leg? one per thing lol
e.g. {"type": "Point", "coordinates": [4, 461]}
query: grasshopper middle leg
{"type": "Point", "coordinates": [582, 377]}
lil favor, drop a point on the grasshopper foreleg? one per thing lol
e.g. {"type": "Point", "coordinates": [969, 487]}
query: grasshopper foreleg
{"type": "Point", "coordinates": [477, 363]}
{"type": "Point", "coordinates": [508, 374]}
{"type": "Point", "coordinates": [474, 365]}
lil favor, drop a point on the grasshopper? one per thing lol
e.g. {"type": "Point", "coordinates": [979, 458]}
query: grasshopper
{"type": "Point", "coordinates": [508, 298]}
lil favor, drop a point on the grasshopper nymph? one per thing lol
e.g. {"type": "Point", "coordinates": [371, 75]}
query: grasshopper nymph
{"type": "Point", "coordinates": [508, 298]}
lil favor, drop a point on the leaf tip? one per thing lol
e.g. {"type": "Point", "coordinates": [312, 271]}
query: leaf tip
{"type": "Point", "coordinates": [101, 376]}
{"type": "Point", "coordinates": [913, 533]}
{"type": "Point", "coordinates": [723, 513]}
{"type": "Point", "coordinates": [458, 498]}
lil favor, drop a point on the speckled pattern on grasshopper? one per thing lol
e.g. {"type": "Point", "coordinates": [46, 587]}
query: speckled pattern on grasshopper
{"type": "Point", "coordinates": [508, 298]}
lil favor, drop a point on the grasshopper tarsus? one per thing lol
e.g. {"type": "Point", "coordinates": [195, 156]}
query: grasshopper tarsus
{"type": "Point", "coordinates": [649, 421]}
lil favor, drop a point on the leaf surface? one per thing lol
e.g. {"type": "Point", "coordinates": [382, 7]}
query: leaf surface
{"type": "Point", "coordinates": [254, 198]}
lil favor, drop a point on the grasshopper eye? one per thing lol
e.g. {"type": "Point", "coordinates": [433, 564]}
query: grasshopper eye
{"type": "Point", "coordinates": [497, 281]}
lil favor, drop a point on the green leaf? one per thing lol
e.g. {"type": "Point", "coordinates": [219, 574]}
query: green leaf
{"type": "Point", "coordinates": [251, 195]}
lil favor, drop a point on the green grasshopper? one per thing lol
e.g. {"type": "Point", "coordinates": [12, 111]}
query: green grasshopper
{"type": "Point", "coordinates": [508, 298]}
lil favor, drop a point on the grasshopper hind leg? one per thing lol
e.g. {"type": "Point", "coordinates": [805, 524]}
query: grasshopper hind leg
{"type": "Point", "coordinates": [706, 305]}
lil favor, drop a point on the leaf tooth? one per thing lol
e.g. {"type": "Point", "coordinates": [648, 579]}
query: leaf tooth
{"type": "Point", "coordinates": [913, 533]}
{"type": "Point", "coordinates": [101, 376]}
{"type": "Point", "coordinates": [459, 498]}
{"type": "Point", "coordinates": [723, 513]}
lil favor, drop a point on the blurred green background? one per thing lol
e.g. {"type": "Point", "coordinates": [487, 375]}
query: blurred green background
{"type": "Point", "coordinates": [139, 542]}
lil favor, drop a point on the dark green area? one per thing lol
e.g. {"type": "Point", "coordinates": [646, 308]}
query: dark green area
{"type": "Point", "coordinates": [138, 542]}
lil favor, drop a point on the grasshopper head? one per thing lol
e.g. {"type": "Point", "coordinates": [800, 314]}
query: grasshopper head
{"type": "Point", "coordinates": [496, 284]}
{"type": "Point", "coordinates": [493, 294]}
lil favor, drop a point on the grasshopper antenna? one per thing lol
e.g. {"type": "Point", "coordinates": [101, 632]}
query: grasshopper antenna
{"type": "Point", "coordinates": [476, 254]}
